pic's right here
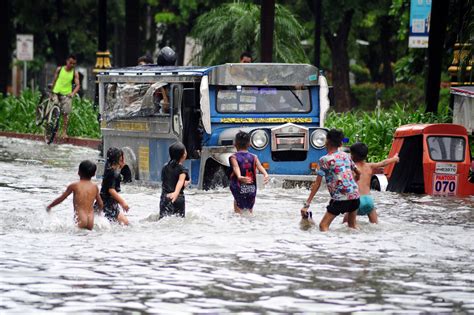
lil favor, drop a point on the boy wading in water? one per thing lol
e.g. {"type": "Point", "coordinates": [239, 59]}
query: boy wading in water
{"type": "Point", "coordinates": [174, 177]}
{"type": "Point", "coordinates": [337, 167]}
{"type": "Point", "coordinates": [243, 180]}
{"type": "Point", "coordinates": [111, 187]}
{"type": "Point", "coordinates": [359, 153]}
{"type": "Point", "coordinates": [84, 194]}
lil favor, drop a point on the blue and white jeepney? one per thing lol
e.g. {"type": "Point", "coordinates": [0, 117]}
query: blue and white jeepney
{"type": "Point", "coordinates": [145, 109]}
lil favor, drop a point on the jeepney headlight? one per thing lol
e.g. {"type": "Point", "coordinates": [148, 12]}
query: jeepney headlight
{"type": "Point", "coordinates": [318, 138]}
{"type": "Point", "coordinates": [259, 139]}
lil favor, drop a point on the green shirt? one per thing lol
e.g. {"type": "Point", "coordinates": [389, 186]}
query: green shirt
{"type": "Point", "coordinates": [64, 81]}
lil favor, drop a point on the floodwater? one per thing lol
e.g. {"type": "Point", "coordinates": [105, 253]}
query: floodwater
{"type": "Point", "coordinates": [418, 260]}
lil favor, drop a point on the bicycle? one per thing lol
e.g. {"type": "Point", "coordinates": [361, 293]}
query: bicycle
{"type": "Point", "coordinates": [48, 112]}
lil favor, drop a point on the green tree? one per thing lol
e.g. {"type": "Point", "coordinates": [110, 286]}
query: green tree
{"type": "Point", "coordinates": [231, 28]}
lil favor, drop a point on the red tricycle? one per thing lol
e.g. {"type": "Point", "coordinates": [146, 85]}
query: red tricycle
{"type": "Point", "coordinates": [435, 159]}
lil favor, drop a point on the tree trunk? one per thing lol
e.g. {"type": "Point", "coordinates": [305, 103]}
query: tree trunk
{"type": "Point", "coordinates": [267, 25]}
{"type": "Point", "coordinates": [316, 8]}
{"type": "Point", "coordinates": [132, 32]}
{"type": "Point", "coordinates": [340, 62]}
{"type": "Point", "coordinates": [439, 14]}
{"type": "Point", "coordinates": [180, 44]}
{"type": "Point", "coordinates": [5, 38]}
{"type": "Point", "coordinates": [385, 35]}
{"type": "Point", "coordinates": [59, 40]}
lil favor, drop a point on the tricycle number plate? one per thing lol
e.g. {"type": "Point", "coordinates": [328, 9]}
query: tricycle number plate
{"type": "Point", "coordinates": [444, 184]}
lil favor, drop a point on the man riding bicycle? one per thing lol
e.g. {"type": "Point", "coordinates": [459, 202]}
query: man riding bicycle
{"type": "Point", "coordinates": [62, 94]}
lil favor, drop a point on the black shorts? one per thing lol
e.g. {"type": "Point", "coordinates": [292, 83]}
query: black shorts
{"type": "Point", "coordinates": [168, 208]}
{"type": "Point", "coordinates": [111, 209]}
{"type": "Point", "coordinates": [337, 207]}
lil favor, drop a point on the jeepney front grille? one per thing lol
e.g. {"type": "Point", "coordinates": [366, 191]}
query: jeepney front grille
{"type": "Point", "coordinates": [289, 146]}
{"type": "Point", "coordinates": [295, 141]}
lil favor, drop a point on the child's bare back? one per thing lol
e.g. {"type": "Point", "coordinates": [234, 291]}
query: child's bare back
{"type": "Point", "coordinates": [85, 192]}
{"type": "Point", "coordinates": [366, 172]}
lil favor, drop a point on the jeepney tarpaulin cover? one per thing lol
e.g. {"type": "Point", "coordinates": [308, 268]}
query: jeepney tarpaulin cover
{"type": "Point", "coordinates": [125, 100]}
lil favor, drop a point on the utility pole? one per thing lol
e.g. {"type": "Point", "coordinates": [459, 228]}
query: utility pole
{"type": "Point", "coordinates": [102, 55]}
{"type": "Point", "coordinates": [267, 25]}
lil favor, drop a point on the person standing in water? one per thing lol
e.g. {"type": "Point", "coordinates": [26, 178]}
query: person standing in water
{"type": "Point", "coordinates": [359, 152]}
{"type": "Point", "coordinates": [84, 194]}
{"type": "Point", "coordinates": [174, 178]}
{"type": "Point", "coordinates": [338, 168]}
{"type": "Point", "coordinates": [63, 93]}
{"type": "Point", "coordinates": [243, 180]}
{"type": "Point", "coordinates": [111, 187]}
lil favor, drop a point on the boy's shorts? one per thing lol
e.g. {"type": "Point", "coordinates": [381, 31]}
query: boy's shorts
{"type": "Point", "coordinates": [64, 102]}
{"type": "Point", "coordinates": [366, 205]}
{"type": "Point", "coordinates": [337, 207]}
{"type": "Point", "coordinates": [244, 195]}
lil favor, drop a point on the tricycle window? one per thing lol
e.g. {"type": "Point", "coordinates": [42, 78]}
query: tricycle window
{"type": "Point", "coordinates": [251, 99]}
{"type": "Point", "coordinates": [446, 148]}
{"type": "Point", "coordinates": [125, 100]}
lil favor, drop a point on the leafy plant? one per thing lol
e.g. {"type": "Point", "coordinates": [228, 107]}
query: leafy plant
{"type": "Point", "coordinates": [376, 128]}
{"type": "Point", "coordinates": [231, 28]}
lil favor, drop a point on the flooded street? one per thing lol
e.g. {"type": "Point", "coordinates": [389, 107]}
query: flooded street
{"type": "Point", "coordinates": [419, 259]}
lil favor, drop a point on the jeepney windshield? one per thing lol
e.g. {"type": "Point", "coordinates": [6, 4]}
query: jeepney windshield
{"type": "Point", "coordinates": [446, 148]}
{"type": "Point", "coordinates": [125, 100]}
{"type": "Point", "coordinates": [252, 99]}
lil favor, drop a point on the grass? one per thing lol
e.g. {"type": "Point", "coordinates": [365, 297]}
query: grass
{"type": "Point", "coordinates": [17, 114]}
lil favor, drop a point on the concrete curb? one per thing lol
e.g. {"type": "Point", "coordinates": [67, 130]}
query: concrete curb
{"type": "Point", "coordinates": [81, 142]}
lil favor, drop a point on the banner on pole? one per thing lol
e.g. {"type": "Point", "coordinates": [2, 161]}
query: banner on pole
{"type": "Point", "coordinates": [24, 47]}
{"type": "Point", "coordinates": [420, 11]}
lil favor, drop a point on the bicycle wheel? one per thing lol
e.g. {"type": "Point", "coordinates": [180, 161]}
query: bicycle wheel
{"type": "Point", "coordinates": [39, 112]}
{"type": "Point", "coordinates": [52, 125]}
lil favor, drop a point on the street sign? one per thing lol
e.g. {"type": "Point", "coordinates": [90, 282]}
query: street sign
{"type": "Point", "coordinates": [420, 12]}
{"type": "Point", "coordinates": [24, 47]}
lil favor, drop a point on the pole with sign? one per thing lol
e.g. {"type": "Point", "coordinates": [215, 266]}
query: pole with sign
{"type": "Point", "coordinates": [420, 15]}
{"type": "Point", "coordinates": [24, 52]}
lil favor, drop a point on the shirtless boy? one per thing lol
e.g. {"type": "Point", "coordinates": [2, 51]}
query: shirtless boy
{"type": "Point", "coordinates": [85, 192]}
{"type": "Point", "coordinates": [359, 153]}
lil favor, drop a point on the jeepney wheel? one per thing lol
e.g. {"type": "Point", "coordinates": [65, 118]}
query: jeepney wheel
{"type": "Point", "coordinates": [215, 175]}
{"type": "Point", "coordinates": [126, 174]}
{"type": "Point", "coordinates": [130, 171]}
{"type": "Point", "coordinates": [375, 184]}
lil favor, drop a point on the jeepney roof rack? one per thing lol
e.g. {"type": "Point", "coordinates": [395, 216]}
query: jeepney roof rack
{"type": "Point", "coordinates": [264, 74]}
{"type": "Point", "coordinates": [250, 74]}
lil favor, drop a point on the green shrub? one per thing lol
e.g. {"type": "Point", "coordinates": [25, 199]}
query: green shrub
{"type": "Point", "coordinates": [17, 114]}
{"type": "Point", "coordinates": [376, 128]}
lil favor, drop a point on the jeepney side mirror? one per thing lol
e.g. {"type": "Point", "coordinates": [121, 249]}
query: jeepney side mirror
{"type": "Point", "coordinates": [332, 99]}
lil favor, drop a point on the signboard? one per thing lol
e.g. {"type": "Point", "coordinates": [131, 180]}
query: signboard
{"type": "Point", "coordinates": [24, 47]}
{"type": "Point", "coordinates": [446, 168]}
{"type": "Point", "coordinates": [445, 185]}
{"type": "Point", "coordinates": [420, 11]}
